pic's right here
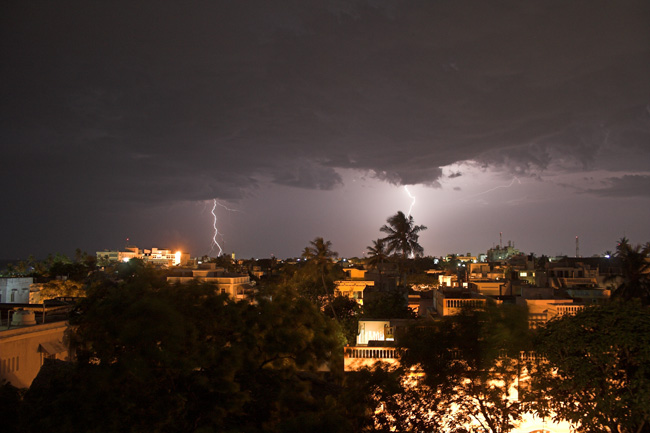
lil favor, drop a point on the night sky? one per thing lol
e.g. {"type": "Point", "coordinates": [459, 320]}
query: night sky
{"type": "Point", "coordinates": [307, 118]}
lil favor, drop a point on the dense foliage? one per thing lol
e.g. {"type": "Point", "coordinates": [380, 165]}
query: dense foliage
{"type": "Point", "coordinates": [470, 364]}
{"type": "Point", "coordinates": [594, 369]}
{"type": "Point", "coordinates": [155, 357]}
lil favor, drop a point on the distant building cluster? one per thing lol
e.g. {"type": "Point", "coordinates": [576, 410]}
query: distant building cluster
{"type": "Point", "coordinates": [155, 256]}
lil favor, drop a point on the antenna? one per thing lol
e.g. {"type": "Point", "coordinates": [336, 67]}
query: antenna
{"type": "Point", "coordinates": [500, 240]}
{"type": "Point", "coordinates": [577, 247]}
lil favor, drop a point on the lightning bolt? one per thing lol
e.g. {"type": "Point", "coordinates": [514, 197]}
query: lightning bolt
{"type": "Point", "coordinates": [412, 199]}
{"type": "Point", "coordinates": [225, 207]}
{"type": "Point", "coordinates": [216, 231]}
{"type": "Point", "coordinates": [410, 208]}
{"type": "Point", "coordinates": [515, 179]}
{"type": "Point", "coordinates": [215, 243]}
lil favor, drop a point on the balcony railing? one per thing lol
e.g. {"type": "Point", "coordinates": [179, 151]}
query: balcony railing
{"type": "Point", "coordinates": [371, 352]}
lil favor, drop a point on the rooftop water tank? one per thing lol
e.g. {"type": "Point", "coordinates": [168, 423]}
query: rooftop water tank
{"type": "Point", "coordinates": [23, 318]}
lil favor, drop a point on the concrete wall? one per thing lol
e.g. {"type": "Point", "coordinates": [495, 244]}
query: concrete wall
{"type": "Point", "coordinates": [22, 351]}
{"type": "Point", "coordinates": [15, 290]}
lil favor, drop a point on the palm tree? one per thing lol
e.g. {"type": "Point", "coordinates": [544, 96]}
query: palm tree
{"type": "Point", "coordinates": [377, 255]}
{"type": "Point", "coordinates": [320, 255]}
{"type": "Point", "coordinates": [634, 281]}
{"type": "Point", "coordinates": [402, 237]}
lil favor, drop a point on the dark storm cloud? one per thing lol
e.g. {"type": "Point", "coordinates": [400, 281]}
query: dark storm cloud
{"type": "Point", "coordinates": [157, 101]}
{"type": "Point", "coordinates": [624, 187]}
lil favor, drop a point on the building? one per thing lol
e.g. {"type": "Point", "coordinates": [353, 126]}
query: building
{"type": "Point", "coordinates": [541, 311]}
{"type": "Point", "coordinates": [375, 343]}
{"type": "Point", "coordinates": [15, 289]}
{"type": "Point", "coordinates": [26, 344]}
{"type": "Point", "coordinates": [450, 302]}
{"type": "Point", "coordinates": [482, 271]}
{"type": "Point", "coordinates": [501, 253]}
{"type": "Point", "coordinates": [237, 286]}
{"type": "Point", "coordinates": [155, 256]}
{"type": "Point", "coordinates": [354, 285]}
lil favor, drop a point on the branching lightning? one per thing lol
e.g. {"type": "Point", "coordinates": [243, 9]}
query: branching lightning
{"type": "Point", "coordinates": [412, 199]}
{"type": "Point", "coordinates": [515, 179]}
{"type": "Point", "coordinates": [215, 243]}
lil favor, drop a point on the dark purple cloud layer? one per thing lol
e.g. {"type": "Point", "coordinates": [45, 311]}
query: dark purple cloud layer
{"type": "Point", "coordinates": [110, 104]}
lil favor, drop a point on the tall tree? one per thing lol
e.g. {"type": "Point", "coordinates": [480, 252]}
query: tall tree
{"type": "Point", "coordinates": [389, 305]}
{"type": "Point", "coordinates": [320, 257]}
{"type": "Point", "coordinates": [402, 235]}
{"type": "Point", "coordinates": [595, 369]}
{"type": "Point", "coordinates": [347, 311]}
{"type": "Point", "coordinates": [402, 238]}
{"type": "Point", "coordinates": [634, 281]}
{"type": "Point", "coordinates": [377, 256]}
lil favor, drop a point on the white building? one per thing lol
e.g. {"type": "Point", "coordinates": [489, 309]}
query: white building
{"type": "Point", "coordinates": [25, 345]}
{"type": "Point", "coordinates": [15, 290]}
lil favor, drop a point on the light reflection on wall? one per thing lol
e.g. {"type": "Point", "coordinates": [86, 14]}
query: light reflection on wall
{"type": "Point", "coordinates": [374, 330]}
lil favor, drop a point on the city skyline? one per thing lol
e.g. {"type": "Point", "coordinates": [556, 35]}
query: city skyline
{"type": "Point", "coordinates": [128, 121]}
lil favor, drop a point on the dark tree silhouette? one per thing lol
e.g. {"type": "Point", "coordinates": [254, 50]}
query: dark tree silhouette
{"type": "Point", "coordinates": [377, 256]}
{"type": "Point", "coordinates": [594, 369]}
{"type": "Point", "coordinates": [320, 257]}
{"type": "Point", "coordinates": [634, 281]}
{"type": "Point", "coordinates": [402, 238]}
{"type": "Point", "coordinates": [402, 235]}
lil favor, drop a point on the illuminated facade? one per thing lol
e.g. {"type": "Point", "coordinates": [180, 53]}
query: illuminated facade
{"type": "Point", "coordinates": [450, 302]}
{"type": "Point", "coordinates": [166, 258]}
{"type": "Point", "coordinates": [15, 290]}
{"type": "Point", "coordinates": [237, 286]}
{"type": "Point", "coordinates": [375, 342]}
{"type": "Point", "coordinates": [361, 284]}
{"type": "Point", "coordinates": [25, 345]}
{"type": "Point", "coordinates": [352, 289]}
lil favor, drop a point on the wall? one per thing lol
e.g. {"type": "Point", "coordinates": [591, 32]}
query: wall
{"type": "Point", "coordinates": [18, 286]}
{"type": "Point", "coordinates": [22, 351]}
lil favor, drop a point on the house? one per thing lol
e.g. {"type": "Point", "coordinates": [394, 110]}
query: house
{"type": "Point", "coordinates": [25, 344]}
{"type": "Point", "coordinates": [354, 285]}
{"type": "Point", "coordinates": [447, 302]}
{"type": "Point", "coordinates": [375, 342]}
{"type": "Point", "coordinates": [541, 311]}
{"type": "Point", "coordinates": [363, 284]}
{"type": "Point", "coordinates": [15, 289]}
{"type": "Point", "coordinates": [237, 286]}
